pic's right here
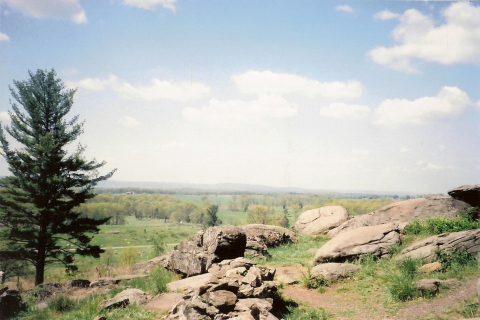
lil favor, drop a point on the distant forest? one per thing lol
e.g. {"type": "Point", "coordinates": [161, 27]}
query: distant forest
{"type": "Point", "coordinates": [117, 203]}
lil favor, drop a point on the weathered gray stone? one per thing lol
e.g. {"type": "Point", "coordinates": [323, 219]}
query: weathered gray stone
{"type": "Point", "coordinates": [196, 255]}
{"type": "Point", "coordinates": [320, 220]}
{"type": "Point", "coordinates": [270, 236]}
{"type": "Point", "coordinates": [192, 282]}
{"type": "Point", "coordinates": [431, 267]}
{"type": "Point", "coordinates": [428, 285]}
{"type": "Point", "coordinates": [222, 300]}
{"type": "Point", "coordinates": [404, 211]}
{"type": "Point", "coordinates": [77, 283]}
{"type": "Point", "coordinates": [333, 271]}
{"type": "Point", "coordinates": [426, 249]}
{"type": "Point", "coordinates": [124, 298]}
{"type": "Point", "coordinates": [467, 193]}
{"type": "Point", "coordinates": [375, 240]}
{"type": "Point", "coordinates": [103, 282]}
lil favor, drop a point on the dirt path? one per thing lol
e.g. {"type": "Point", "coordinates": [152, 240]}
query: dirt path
{"type": "Point", "coordinates": [370, 304]}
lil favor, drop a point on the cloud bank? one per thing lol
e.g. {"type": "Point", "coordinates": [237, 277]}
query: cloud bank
{"type": "Point", "coordinates": [257, 82]}
{"type": "Point", "coordinates": [449, 102]}
{"type": "Point", "coordinates": [417, 37]}
{"type": "Point", "coordinates": [57, 9]}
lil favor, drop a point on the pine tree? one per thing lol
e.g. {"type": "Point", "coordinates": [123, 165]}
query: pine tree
{"type": "Point", "coordinates": [38, 218]}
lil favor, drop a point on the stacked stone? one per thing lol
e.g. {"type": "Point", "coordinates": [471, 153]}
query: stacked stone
{"type": "Point", "coordinates": [238, 289]}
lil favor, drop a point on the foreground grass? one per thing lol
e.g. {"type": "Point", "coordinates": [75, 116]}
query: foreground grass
{"type": "Point", "coordinates": [62, 307]}
{"type": "Point", "coordinates": [294, 253]}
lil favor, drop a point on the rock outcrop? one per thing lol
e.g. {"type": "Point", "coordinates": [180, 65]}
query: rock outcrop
{"type": "Point", "coordinates": [195, 255]}
{"type": "Point", "coordinates": [238, 289]}
{"type": "Point", "coordinates": [320, 220]}
{"type": "Point", "coordinates": [260, 237]}
{"type": "Point", "coordinates": [467, 193]}
{"type": "Point", "coordinates": [404, 211]}
{"type": "Point", "coordinates": [426, 249]}
{"type": "Point", "coordinates": [333, 271]}
{"type": "Point", "coordinates": [375, 240]}
{"type": "Point", "coordinates": [10, 303]}
{"type": "Point", "coordinates": [124, 298]}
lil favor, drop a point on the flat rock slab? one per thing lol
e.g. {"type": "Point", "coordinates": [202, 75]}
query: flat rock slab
{"type": "Point", "coordinates": [320, 220]}
{"type": "Point", "coordinates": [164, 302]}
{"type": "Point", "coordinates": [130, 276]}
{"type": "Point", "coordinates": [426, 249]}
{"type": "Point", "coordinates": [404, 211]}
{"type": "Point", "coordinates": [191, 282]}
{"type": "Point", "coordinates": [333, 271]}
{"type": "Point", "coordinates": [124, 298]}
{"type": "Point", "coordinates": [375, 240]}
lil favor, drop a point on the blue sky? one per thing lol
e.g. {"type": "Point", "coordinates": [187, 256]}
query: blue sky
{"type": "Point", "coordinates": [338, 95]}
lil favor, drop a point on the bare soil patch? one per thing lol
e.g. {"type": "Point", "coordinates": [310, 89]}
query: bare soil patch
{"type": "Point", "coordinates": [344, 303]}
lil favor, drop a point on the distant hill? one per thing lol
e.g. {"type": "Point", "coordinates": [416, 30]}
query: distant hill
{"type": "Point", "coordinates": [232, 187]}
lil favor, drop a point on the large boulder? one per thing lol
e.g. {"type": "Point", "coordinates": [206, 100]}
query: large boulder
{"type": "Point", "coordinates": [10, 303]}
{"type": "Point", "coordinates": [404, 211]}
{"type": "Point", "coordinates": [320, 220]}
{"type": "Point", "coordinates": [467, 193]}
{"type": "Point", "coordinates": [195, 255]}
{"type": "Point", "coordinates": [238, 289]}
{"type": "Point", "coordinates": [260, 237]}
{"type": "Point", "coordinates": [375, 240]}
{"type": "Point", "coordinates": [426, 249]}
{"type": "Point", "coordinates": [271, 236]}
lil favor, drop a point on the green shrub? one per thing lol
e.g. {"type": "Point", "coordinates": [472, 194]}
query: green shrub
{"type": "Point", "coordinates": [154, 284]}
{"type": "Point", "coordinates": [61, 304]}
{"type": "Point", "coordinates": [457, 259]}
{"type": "Point", "coordinates": [439, 225]}
{"type": "Point", "coordinates": [409, 266]}
{"type": "Point", "coordinates": [402, 287]}
{"type": "Point", "coordinates": [306, 313]}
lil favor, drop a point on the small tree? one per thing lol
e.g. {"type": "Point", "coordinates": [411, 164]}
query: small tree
{"type": "Point", "coordinates": [259, 214]}
{"type": "Point", "coordinates": [211, 216]}
{"type": "Point", "coordinates": [37, 203]}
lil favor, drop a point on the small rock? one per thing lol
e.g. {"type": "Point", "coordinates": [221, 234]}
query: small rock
{"type": "Point", "coordinates": [431, 267]}
{"type": "Point", "coordinates": [333, 271]}
{"type": "Point", "coordinates": [125, 298]}
{"type": "Point", "coordinates": [428, 284]}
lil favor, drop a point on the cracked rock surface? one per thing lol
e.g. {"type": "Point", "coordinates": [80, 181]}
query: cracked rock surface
{"type": "Point", "coordinates": [376, 240]}
{"type": "Point", "coordinates": [320, 220]}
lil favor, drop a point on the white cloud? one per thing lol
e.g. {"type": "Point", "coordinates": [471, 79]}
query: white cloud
{"type": "Point", "coordinates": [58, 9]}
{"type": "Point", "coordinates": [340, 110]}
{"type": "Point", "coordinates": [417, 37]}
{"type": "Point", "coordinates": [129, 122]}
{"type": "Point", "coordinates": [241, 112]}
{"type": "Point", "coordinates": [94, 84]}
{"type": "Point", "coordinates": [386, 15]}
{"type": "Point", "coordinates": [4, 117]}
{"type": "Point", "coordinates": [151, 4]}
{"type": "Point", "coordinates": [173, 145]}
{"type": "Point", "coordinates": [344, 8]}
{"type": "Point", "coordinates": [361, 152]}
{"type": "Point", "coordinates": [404, 149]}
{"type": "Point", "coordinates": [441, 147]}
{"type": "Point", "coordinates": [158, 89]}
{"type": "Point", "coordinates": [431, 166]}
{"type": "Point", "coordinates": [69, 72]}
{"type": "Point", "coordinates": [450, 102]}
{"type": "Point", "coordinates": [4, 37]}
{"type": "Point", "coordinates": [256, 82]}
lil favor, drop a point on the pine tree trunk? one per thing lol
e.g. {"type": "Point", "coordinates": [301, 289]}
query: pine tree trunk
{"type": "Point", "coordinates": [40, 271]}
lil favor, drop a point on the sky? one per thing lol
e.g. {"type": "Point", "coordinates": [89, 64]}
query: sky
{"type": "Point", "coordinates": [334, 95]}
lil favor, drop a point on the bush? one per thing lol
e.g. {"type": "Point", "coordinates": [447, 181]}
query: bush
{"type": "Point", "coordinates": [402, 287]}
{"type": "Point", "coordinates": [433, 226]}
{"type": "Point", "coordinates": [61, 304]}
{"type": "Point", "coordinates": [409, 266]}
{"type": "Point", "coordinates": [457, 259]}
